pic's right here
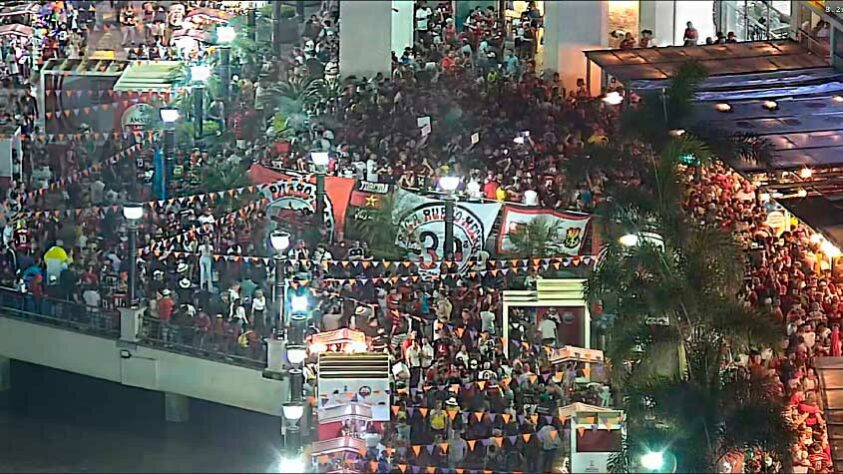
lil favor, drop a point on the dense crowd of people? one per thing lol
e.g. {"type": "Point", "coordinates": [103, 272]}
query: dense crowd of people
{"type": "Point", "coordinates": [206, 269]}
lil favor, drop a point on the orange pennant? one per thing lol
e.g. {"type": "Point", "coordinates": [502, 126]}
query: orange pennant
{"type": "Point", "coordinates": [395, 409]}
{"type": "Point", "coordinates": [499, 441]}
{"type": "Point", "coordinates": [417, 449]}
{"type": "Point", "coordinates": [402, 468]}
{"type": "Point", "coordinates": [505, 417]}
{"type": "Point", "coordinates": [471, 444]}
{"type": "Point", "coordinates": [553, 434]}
{"type": "Point", "coordinates": [423, 412]}
{"type": "Point", "coordinates": [478, 415]}
{"type": "Point", "coordinates": [459, 470]}
{"type": "Point", "coordinates": [534, 419]}
{"type": "Point", "coordinates": [431, 470]}
{"type": "Point", "coordinates": [526, 437]}
{"type": "Point", "coordinates": [581, 430]}
{"type": "Point", "coordinates": [453, 414]}
{"type": "Point", "coordinates": [443, 447]}
{"type": "Point", "coordinates": [481, 384]}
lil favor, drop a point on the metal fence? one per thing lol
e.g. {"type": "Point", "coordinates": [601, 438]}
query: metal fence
{"type": "Point", "coordinates": [59, 313]}
{"type": "Point", "coordinates": [193, 341]}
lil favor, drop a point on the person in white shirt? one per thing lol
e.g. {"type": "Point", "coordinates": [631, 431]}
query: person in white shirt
{"type": "Point", "coordinates": [372, 169]}
{"type": "Point", "coordinates": [259, 310]}
{"type": "Point", "coordinates": [473, 189]}
{"type": "Point", "coordinates": [400, 371]}
{"type": "Point", "coordinates": [206, 264]}
{"type": "Point", "coordinates": [550, 443]}
{"type": "Point", "coordinates": [547, 328]}
{"type": "Point", "coordinates": [487, 318]}
{"type": "Point", "coordinates": [427, 353]}
{"type": "Point", "coordinates": [413, 358]}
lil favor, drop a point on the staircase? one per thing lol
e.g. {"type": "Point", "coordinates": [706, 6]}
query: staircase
{"type": "Point", "coordinates": [830, 372]}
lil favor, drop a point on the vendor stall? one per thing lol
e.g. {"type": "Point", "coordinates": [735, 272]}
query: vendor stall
{"type": "Point", "coordinates": [348, 379]}
{"type": "Point", "coordinates": [341, 340]}
{"type": "Point", "coordinates": [16, 29]}
{"type": "Point", "coordinates": [595, 434]}
{"type": "Point", "coordinates": [23, 12]}
{"type": "Point", "coordinates": [11, 152]}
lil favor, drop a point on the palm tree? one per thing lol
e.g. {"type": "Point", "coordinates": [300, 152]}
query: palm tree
{"type": "Point", "coordinates": [675, 317]}
{"type": "Point", "coordinates": [538, 238]}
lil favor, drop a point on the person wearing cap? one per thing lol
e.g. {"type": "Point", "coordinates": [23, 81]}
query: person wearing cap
{"type": "Point", "coordinates": [166, 306]}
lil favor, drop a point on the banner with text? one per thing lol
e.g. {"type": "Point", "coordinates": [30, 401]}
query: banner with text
{"type": "Point", "coordinates": [421, 228]}
{"type": "Point", "coordinates": [570, 229]}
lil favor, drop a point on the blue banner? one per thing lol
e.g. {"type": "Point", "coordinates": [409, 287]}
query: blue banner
{"type": "Point", "coordinates": [159, 178]}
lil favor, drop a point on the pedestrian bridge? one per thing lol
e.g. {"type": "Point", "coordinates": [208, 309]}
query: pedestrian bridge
{"type": "Point", "coordinates": [111, 345]}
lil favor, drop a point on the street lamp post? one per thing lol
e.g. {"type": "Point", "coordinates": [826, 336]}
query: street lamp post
{"type": "Point", "coordinates": [449, 184]}
{"type": "Point", "coordinates": [133, 213]}
{"type": "Point", "coordinates": [199, 74]}
{"type": "Point", "coordinates": [280, 241]}
{"type": "Point", "coordinates": [320, 163]}
{"type": "Point", "coordinates": [169, 116]}
{"type": "Point", "coordinates": [225, 35]}
{"type": "Point", "coordinates": [293, 412]}
{"type": "Point", "coordinates": [252, 22]}
{"type": "Point", "coordinates": [276, 28]}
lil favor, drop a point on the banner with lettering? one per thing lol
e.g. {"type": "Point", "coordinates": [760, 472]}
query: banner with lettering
{"type": "Point", "coordinates": [570, 229]}
{"type": "Point", "coordinates": [297, 195]}
{"type": "Point", "coordinates": [421, 228]}
{"type": "Point", "coordinates": [365, 199]}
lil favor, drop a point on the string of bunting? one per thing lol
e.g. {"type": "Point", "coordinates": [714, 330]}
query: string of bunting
{"type": "Point", "coordinates": [87, 110]}
{"type": "Point", "coordinates": [60, 137]}
{"type": "Point", "coordinates": [116, 95]}
{"type": "Point", "coordinates": [73, 177]}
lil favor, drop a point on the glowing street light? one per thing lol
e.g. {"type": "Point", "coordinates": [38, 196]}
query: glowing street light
{"type": "Point", "coordinates": [676, 133]}
{"type": "Point", "coordinates": [299, 303]}
{"type": "Point", "coordinates": [449, 184]}
{"type": "Point", "coordinates": [653, 461]}
{"type": "Point", "coordinates": [320, 158]}
{"type": "Point", "coordinates": [770, 105]}
{"type": "Point", "coordinates": [628, 240]}
{"type": "Point", "coordinates": [806, 173]}
{"type": "Point", "coordinates": [292, 411]}
{"type": "Point", "coordinates": [613, 98]}
{"type": "Point", "coordinates": [280, 240]}
{"type": "Point", "coordinates": [723, 107]}
{"type": "Point", "coordinates": [292, 464]}
{"type": "Point", "coordinates": [200, 73]}
{"type": "Point", "coordinates": [226, 34]}
{"type": "Point", "coordinates": [169, 114]}
{"type": "Point", "coordinates": [296, 353]}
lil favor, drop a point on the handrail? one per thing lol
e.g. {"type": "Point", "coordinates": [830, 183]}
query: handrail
{"type": "Point", "coordinates": [59, 313]}
{"type": "Point", "coordinates": [192, 341]}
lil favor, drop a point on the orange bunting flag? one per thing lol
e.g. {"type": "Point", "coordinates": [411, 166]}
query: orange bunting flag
{"type": "Point", "coordinates": [471, 444]}
{"type": "Point", "coordinates": [553, 434]}
{"type": "Point", "coordinates": [402, 468]}
{"type": "Point", "coordinates": [455, 387]}
{"type": "Point", "coordinates": [581, 430]}
{"type": "Point", "coordinates": [453, 414]}
{"type": "Point", "coordinates": [481, 384]}
{"type": "Point", "coordinates": [478, 415]}
{"type": "Point", "coordinates": [443, 447]}
{"type": "Point", "coordinates": [423, 412]}
{"type": "Point", "coordinates": [460, 331]}
{"type": "Point", "coordinates": [395, 409]}
{"type": "Point", "coordinates": [534, 419]}
{"type": "Point", "coordinates": [417, 449]}
{"type": "Point", "coordinates": [506, 417]}
{"type": "Point", "coordinates": [373, 465]}
{"type": "Point", "coordinates": [431, 469]}
{"type": "Point", "coordinates": [526, 437]}
{"type": "Point", "coordinates": [499, 441]}
{"type": "Point", "coordinates": [533, 378]}
{"type": "Point", "coordinates": [459, 470]}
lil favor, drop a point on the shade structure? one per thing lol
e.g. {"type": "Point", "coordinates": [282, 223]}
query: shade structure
{"type": "Point", "coordinates": [211, 15]}
{"type": "Point", "coordinates": [150, 76]}
{"type": "Point", "coordinates": [718, 59]}
{"type": "Point", "coordinates": [16, 29]}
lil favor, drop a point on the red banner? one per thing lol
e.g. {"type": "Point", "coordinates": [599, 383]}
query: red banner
{"type": "Point", "coordinates": [282, 186]}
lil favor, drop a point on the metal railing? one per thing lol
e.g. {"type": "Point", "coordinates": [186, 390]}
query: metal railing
{"type": "Point", "coordinates": [191, 340]}
{"type": "Point", "coordinates": [59, 313]}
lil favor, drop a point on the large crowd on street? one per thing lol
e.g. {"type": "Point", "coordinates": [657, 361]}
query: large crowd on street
{"type": "Point", "coordinates": [206, 272]}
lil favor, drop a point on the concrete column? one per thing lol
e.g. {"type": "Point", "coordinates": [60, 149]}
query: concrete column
{"type": "Point", "coordinates": [275, 354]}
{"type": "Point", "coordinates": [131, 321]}
{"type": "Point", "coordinates": [572, 27]}
{"type": "Point", "coordinates": [5, 374]}
{"type": "Point", "coordinates": [658, 17]}
{"type": "Point", "coordinates": [366, 38]}
{"type": "Point", "coordinates": [176, 408]}
{"type": "Point", "coordinates": [402, 24]}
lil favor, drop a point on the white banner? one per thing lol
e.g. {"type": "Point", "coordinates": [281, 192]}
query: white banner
{"type": "Point", "coordinates": [570, 229]}
{"type": "Point", "coordinates": [421, 228]}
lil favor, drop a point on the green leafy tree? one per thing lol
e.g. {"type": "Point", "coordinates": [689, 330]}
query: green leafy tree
{"type": "Point", "coordinates": [540, 237]}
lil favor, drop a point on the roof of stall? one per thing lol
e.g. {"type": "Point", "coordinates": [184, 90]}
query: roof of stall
{"type": "Point", "coordinates": [718, 59]}
{"type": "Point", "coordinates": [85, 67]}
{"type": "Point", "coordinates": [155, 76]}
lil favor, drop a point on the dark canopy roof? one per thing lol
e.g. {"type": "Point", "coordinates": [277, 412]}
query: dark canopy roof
{"type": "Point", "coordinates": [719, 59]}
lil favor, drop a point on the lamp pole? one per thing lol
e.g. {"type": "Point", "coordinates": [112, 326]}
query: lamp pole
{"type": "Point", "coordinates": [276, 28]}
{"type": "Point", "coordinates": [132, 213]}
{"type": "Point", "coordinates": [252, 23]}
{"type": "Point", "coordinates": [225, 72]}
{"type": "Point", "coordinates": [450, 201]}
{"type": "Point", "coordinates": [320, 199]}
{"type": "Point", "coordinates": [133, 264]}
{"type": "Point", "coordinates": [280, 285]}
{"type": "Point", "coordinates": [198, 111]}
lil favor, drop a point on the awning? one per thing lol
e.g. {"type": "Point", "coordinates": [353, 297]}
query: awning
{"type": "Point", "coordinates": [583, 408]}
{"type": "Point", "coordinates": [16, 29]}
{"type": "Point", "coordinates": [30, 8]}
{"type": "Point", "coordinates": [150, 76]}
{"type": "Point", "coordinates": [209, 15]}
{"type": "Point", "coordinates": [85, 67]}
{"type": "Point", "coordinates": [576, 354]}
{"type": "Point", "coordinates": [718, 59]}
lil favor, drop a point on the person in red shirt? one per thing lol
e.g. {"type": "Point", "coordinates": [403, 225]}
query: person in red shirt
{"type": "Point", "coordinates": [490, 189]}
{"type": "Point", "coordinates": [166, 305]}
